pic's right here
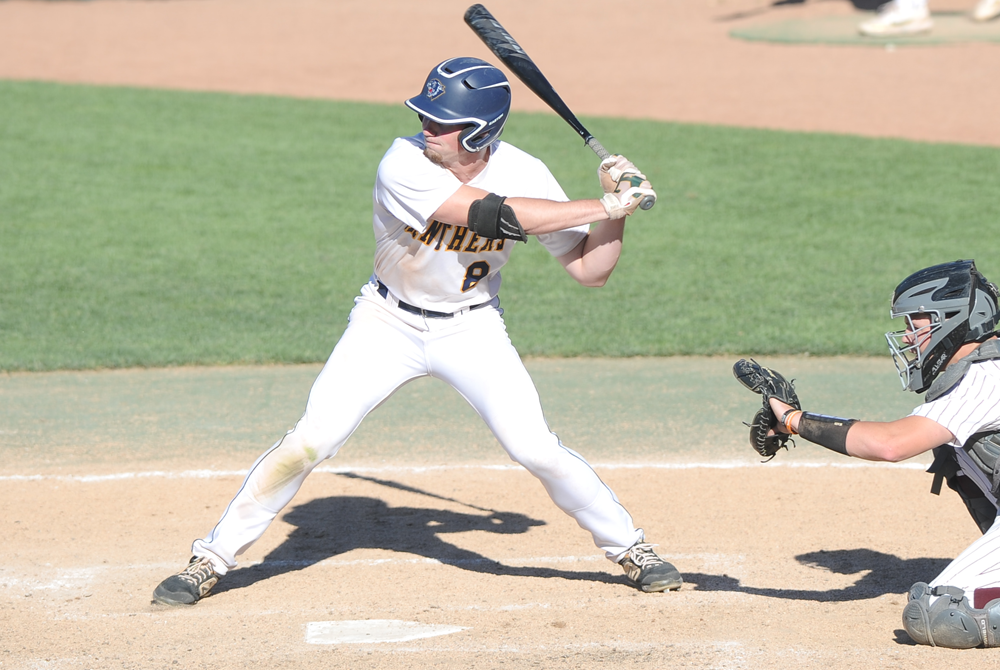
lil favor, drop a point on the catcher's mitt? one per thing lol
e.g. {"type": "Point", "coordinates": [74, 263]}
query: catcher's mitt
{"type": "Point", "coordinates": [769, 384]}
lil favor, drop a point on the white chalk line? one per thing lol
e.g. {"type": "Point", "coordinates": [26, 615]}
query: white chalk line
{"type": "Point", "coordinates": [734, 653]}
{"type": "Point", "coordinates": [420, 469]}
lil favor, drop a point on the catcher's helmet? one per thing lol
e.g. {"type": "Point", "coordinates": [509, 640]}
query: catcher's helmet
{"type": "Point", "coordinates": [962, 307]}
{"type": "Point", "coordinates": [466, 90]}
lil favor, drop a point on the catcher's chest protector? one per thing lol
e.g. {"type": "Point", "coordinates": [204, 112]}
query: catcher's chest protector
{"type": "Point", "coordinates": [983, 448]}
{"type": "Point", "coordinates": [984, 451]}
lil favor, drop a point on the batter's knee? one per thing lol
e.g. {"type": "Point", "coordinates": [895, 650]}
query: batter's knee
{"type": "Point", "coordinates": [287, 465]}
{"type": "Point", "coordinates": [316, 439]}
{"type": "Point", "coordinates": [950, 620]}
{"type": "Point", "coordinates": [546, 461]}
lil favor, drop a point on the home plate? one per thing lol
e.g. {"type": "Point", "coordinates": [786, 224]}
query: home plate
{"type": "Point", "coordinates": [373, 630]}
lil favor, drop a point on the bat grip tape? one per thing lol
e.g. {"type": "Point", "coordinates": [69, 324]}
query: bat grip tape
{"type": "Point", "coordinates": [598, 148]}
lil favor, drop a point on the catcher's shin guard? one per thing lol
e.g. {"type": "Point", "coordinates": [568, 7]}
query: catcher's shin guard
{"type": "Point", "coordinates": [950, 621]}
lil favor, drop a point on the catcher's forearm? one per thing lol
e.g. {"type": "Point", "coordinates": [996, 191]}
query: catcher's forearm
{"type": "Point", "coordinates": [895, 441]}
{"type": "Point", "coordinates": [826, 431]}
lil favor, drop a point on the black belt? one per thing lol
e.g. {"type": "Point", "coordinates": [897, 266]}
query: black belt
{"type": "Point", "coordinates": [383, 291]}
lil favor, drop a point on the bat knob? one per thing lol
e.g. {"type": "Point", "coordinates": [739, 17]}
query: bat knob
{"type": "Point", "coordinates": [647, 202]}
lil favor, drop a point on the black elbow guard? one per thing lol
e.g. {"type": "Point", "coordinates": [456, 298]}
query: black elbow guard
{"type": "Point", "coordinates": [826, 431]}
{"type": "Point", "coordinates": [492, 219]}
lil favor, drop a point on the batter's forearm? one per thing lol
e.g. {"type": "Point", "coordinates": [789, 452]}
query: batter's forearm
{"type": "Point", "coordinates": [535, 215]}
{"type": "Point", "coordinates": [539, 216]}
{"type": "Point", "coordinates": [602, 249]}
{"type": "Point", "coordinates": [595, 259]}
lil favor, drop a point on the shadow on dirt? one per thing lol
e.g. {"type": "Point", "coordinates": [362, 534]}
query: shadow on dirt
{"type": "Point", "coordinates": [885, 573]}
{"type": "Point", "coordinates": [329, 527]}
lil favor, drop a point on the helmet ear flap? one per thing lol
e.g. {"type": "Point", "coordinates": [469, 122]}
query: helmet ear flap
{"type": "Point", "coordinates": [466, 136]}
{"type": "Point", "coordinates": [472, 137]}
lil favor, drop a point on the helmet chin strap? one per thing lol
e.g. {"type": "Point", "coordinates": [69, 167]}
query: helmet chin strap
{"type": "Point", "coordinates": [468, 139]}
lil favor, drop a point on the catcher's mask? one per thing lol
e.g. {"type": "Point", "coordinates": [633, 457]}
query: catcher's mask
{"type": "Point", "coordinates": [961, 306]}
{"type": "Point", "coordinates": [466, 91]}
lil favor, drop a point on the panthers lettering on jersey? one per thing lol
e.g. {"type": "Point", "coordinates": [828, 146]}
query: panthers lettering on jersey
{"type": "Point", "coordinates": [436, 234]}
{"type": "Point", "coordinates": [437, 231]}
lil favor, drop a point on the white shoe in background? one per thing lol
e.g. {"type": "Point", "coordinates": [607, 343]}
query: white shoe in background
{"type": "Point", "coordinates": [893, 19]}
{"type": "Point", "coordinates": [986, 10]}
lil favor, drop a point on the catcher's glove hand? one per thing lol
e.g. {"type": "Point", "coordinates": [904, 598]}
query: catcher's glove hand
{"type": "Point", "coordinates": [769, 384]}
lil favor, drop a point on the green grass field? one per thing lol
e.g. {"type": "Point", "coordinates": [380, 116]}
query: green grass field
{"type": "Point", "coordinates": [151, 228]}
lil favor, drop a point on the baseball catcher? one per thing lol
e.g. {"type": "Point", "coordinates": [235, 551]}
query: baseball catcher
{"type": "Point", "coordinates": [949, 350]}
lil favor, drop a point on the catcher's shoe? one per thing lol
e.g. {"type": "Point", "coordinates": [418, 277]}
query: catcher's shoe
{"type": "Point", "coordinates": [986, 10]}
{"type": "Point", "coordinates": [189, 585]}
{"type": "Point", "coordinates": [648, 571]}
{"type": "Point", "coordinates": [896, 19]}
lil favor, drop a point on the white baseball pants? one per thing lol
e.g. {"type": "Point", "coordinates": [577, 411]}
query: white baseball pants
{"type": "Point", "coordinates": [978, 567]}
{"type": "Point", "coordinates": [383, 348]}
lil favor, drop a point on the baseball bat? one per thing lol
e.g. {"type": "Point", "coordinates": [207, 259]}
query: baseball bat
{"type": "Point", "coordinates": [499, 41]}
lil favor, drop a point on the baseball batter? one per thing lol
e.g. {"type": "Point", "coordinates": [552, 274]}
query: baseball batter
{"type": "Point", "coordinates": [949, 349]}
{"type": "Point", "coordinates": [449, 205]}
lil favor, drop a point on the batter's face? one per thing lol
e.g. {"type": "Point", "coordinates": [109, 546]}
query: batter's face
{"type": "Point", "coordinates": [442, 144]}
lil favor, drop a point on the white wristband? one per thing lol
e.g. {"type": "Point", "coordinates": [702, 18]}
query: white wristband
{"type": "Point", "coordinates": [613, 206]}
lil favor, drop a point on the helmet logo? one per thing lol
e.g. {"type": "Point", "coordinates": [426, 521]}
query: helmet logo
{"type": "Point", "coordinates": [435, 88]}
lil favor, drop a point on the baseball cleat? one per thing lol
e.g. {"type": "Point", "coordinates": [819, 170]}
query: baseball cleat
{"type": "Point", "coordinates": [893, 20]}
{"type": "Point", "coordinates": [189, 585]}
{"type": "Point", "coordinates": [648, 571]}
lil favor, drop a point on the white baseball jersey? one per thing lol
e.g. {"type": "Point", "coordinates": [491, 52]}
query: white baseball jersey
{"type": "Point", "coordinates": [971, 407]}
{"type": "Point", "coordinates": [439, 266]}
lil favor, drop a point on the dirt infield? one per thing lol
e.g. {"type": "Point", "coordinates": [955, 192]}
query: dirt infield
{"type": "Point", "coordinates": [797, 564]}
{"type": "Point", "coordinates": [788, 568]}
{"type": "Point", "coordinates": [109, 475]}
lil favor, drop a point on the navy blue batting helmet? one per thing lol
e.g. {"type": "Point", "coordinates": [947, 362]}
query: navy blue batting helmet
{"type": "Point", "coordinates": [466, 91]}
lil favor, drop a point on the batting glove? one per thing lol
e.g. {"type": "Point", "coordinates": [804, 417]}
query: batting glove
{"type": "Point", "coordinates": [617, 173]}
{"type": "Point", "coordinates": [620, 205]}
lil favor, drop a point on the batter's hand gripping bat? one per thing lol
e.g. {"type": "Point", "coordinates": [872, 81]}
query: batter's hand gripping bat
{"type": "Point", "coordinates": [514, 57]}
